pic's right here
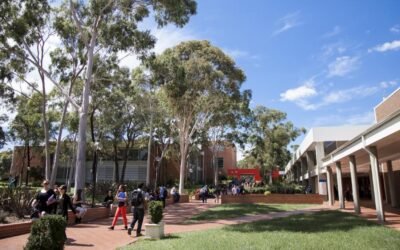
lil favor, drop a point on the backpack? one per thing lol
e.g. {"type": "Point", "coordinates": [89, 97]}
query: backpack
{"type": "Point", "coordinates": [136, 198]}
{"type": "Point", "coordinates": [163, 193]}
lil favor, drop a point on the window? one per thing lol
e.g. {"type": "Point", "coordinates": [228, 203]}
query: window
{"type": "Point", "coordinates": [220, 162]}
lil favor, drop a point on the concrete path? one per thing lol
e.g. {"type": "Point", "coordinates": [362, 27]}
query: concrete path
{"type": "Point", "coordinates": [95, 234]}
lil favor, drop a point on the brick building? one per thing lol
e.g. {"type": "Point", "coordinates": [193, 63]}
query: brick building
{"type": "Point", "coordinates": [199, 168]}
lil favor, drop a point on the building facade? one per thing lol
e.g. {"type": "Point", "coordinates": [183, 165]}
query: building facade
{"type": "Point", "coordinates": [305, 167]}
{"type": "Point", "coordinates": [369, 162]}
{"type": "Point", "coordinates": [199, 169]}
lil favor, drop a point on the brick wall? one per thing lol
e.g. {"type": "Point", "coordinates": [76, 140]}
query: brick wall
{"type": "Point", "coordinates": [388, 106]}
{"type": "Point", "coordinates": [274, 198]}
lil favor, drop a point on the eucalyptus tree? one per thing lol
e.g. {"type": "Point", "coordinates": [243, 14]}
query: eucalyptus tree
{"type": "Point", "coordinates": [197, 80]}
{"type": "Point", "coordinates": [27, 125]}
{"type": "Point", "coordinates": [270, 135]}
{"type": "Point", "coordinates": [112, 26]}
{"type": "Point", "coordinates": [24, 34]}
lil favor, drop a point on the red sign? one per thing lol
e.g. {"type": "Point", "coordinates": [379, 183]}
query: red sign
{"type": "Point", "coordinates": [240, 173]}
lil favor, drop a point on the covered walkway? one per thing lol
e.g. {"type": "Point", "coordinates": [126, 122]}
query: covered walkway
{"type": "Point", "coordinates": [369, 166]}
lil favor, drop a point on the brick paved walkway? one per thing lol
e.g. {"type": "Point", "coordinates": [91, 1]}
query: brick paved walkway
{"type": "Point", "coordinates": [95, 235]}
{"type": "Point", "coordinates": [392, 215]}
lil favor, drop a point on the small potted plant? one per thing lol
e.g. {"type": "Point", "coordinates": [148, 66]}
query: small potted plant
{"type": "Point", "coordinates": [155, 229]}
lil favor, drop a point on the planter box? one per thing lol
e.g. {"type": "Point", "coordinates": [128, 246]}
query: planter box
{"type": "Point", "coordinates": [273, 198]}
{"type": "Point", "coordinates": [10, 230]}
{"type": "Point", "coordinates": [14, 229]}
{"type": "Point", "coordinates": [155, 231]}
{"type": "Point", "coordinates": [183, 199]}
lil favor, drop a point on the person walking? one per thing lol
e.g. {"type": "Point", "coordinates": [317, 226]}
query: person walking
{"type": "Point", "coordinates": [138, 202]}
{"type": "Point", "coordinates": [45, 199]}
{"type": "Point", "coordinates": [64, 202]}
{"type": "Point", "coordinates": [122, 197]}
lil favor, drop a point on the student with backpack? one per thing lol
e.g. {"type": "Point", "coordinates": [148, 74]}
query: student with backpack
{"type": "Point", "coordinates": [121, 197]}
{"type": "Point", "coordinates": [163, 194]}
{"type": "Point", "coordinates": [138, 203]}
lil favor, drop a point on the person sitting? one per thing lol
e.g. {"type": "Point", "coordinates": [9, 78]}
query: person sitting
{"type": "Point", "coordinates": [108, 200]}
{"type": "Point", "coordinates": [78, 204]}
{"type": "Point", "coordinates": [175, 195]}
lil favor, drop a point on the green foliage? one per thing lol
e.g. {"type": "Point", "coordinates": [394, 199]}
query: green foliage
{"type": "Point", "coordinates": [156, 211]}
{"type": "Point", "coordinates": [47, 233]}
{"type": "Point", "coordinates": [321, 230]}
{"type": "Point", "coordinates": [277, 188]}
{"type": "Point", "coordinates": [270, 135]}
{"type": "Point", "coordinates": [5, 163]}
{"type": "Point", "coordinates": [16, 200]}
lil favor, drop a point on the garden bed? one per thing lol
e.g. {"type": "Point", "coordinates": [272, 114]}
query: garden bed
{"type": "Point", "coordinates": [273, 198]}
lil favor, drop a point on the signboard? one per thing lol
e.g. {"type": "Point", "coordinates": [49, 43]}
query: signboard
{"type": "Point", "coordinates": [322, 187]}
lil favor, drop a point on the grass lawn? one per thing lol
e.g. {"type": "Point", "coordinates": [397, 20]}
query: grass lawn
{"type": "Point", "coordinates": [322, 230]}
{"type": "Point", "coordinates": [226, 211]}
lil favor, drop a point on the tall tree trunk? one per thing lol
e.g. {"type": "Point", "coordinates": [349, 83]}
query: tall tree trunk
{"type": "Point", "coordinates": [94, 164]}
{"type": "Point", "coordinates": [128, 146]}
{"type": "Point", "coordinates": [149, 149]}
{"type": "Point", "coordinates": [71, 170]}
{"type": "Point", "coordinates": [158, 165]}
{"type": "Point", "coordinates": [59, 138]}
{"type": "Point", "coordinates": [46, 129]}
{"type": "Point", "coordinates": [184, 141]}
{"type": "Point", "coordinates": [116, 165]}
{"type": "Point", "coordinates": [80, 172]}
{"type": "Point", "coordinates": [215, 170]}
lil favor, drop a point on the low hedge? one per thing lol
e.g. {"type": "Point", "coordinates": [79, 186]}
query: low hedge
{"type": "Point", "coordinates": [47, 233]}
{"type": "Point", "coordinates": [277, 188]}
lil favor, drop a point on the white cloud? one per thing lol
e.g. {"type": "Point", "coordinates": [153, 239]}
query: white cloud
{"type": "Point", "coordinates": [342, 66]}
{"type": "Point", "coordinates": [366, 118]}
{"type": "Point", "coordinates": [395, 29]}
{"type": "Point", "coordinates": [334, 32]}
{"type": "Point", "coordinates": [332, 49]}
{"type": "Point", "coordinates": [287, 22]}
{"type": "Point", "coordinates": [308, 97]}
{"type": "Point", "coordinates": [345, 95]}
{"type": "Point", "coordinates": [302, 92]}
{"type": "Point", "coordinates": [236, 53]}
{"type": "Point", "coordinates": [167, 37]}
{"type": "Point", "coordinates": [394, 45]}
{"type": "Point", "coordinates": [388, 84]}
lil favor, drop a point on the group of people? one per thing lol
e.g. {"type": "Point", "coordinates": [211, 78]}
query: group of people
{"type": "Point", "coordinates": [138, 200]}
{"type": "Point", "coordinates": [57, 201]}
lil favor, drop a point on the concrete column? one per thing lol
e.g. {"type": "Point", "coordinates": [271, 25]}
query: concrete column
{"type": "Point", "coordinates": [319, 155]}
{"type": "Point", "coordinates": [371, 183]}
{"type": "Point", "coordinates": [311, 165]}
{"type": "Point", "coordinates": [303, 162]}
{"type": "Point", "coordinates": [340, 184]}
{"type": "Point", "coordinates": [373, 156]}
{"type": "Point", "coordinates": [329, 181]}
{"type": "Point", "coordinates": [393, 198]}
{"type": "Point", "coordinates": [354, 183]}
{"type": "Point", "coordinates": [386, 188]}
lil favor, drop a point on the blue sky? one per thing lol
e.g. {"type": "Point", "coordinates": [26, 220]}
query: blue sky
{"type": "Point", "coordinates": [323, 63]}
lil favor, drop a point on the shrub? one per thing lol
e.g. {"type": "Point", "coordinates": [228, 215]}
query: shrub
{"type": "Point", "coordinates": [156, 211]}
{"type": "Point", "coordinates": [3, 217]}
{"type": "Point", "coordinates": [47, 233]}
{"type": "Point", "coordinates": [267, 193]}
{"type": "Point", "coordinates": [17, 200]}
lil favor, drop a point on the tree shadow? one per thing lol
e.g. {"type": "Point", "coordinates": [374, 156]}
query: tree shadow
{"type": "Point", "coordinates": [234, 210]}
{"type": "Point", "coordinates": [324, 221]}
{"type": "Point", "coordinates": [71, 242]}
